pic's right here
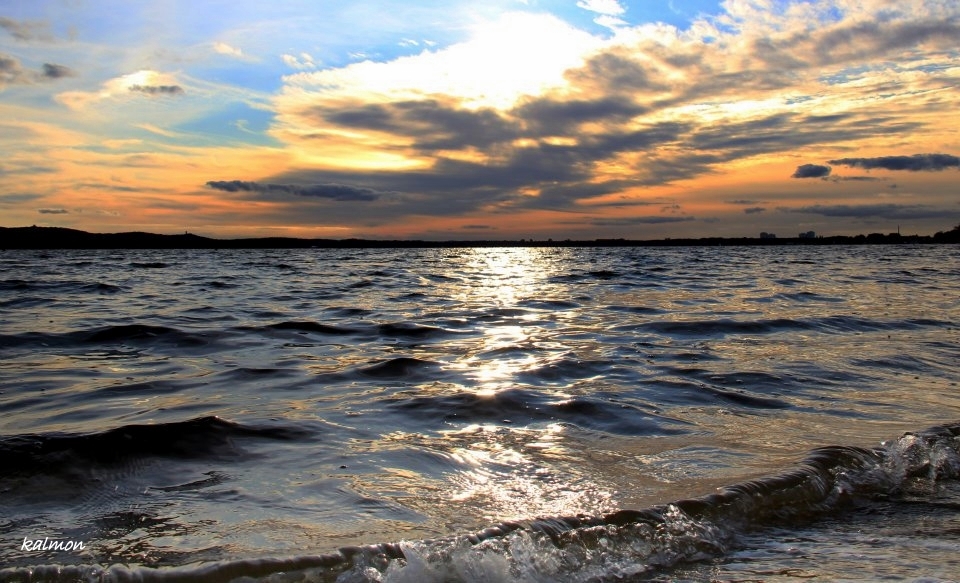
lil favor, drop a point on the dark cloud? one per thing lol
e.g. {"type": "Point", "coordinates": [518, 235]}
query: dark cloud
{"type": "Point", "coordinates": [341, 192]}
{"type": "Point", "coordinates": [649, 220]}
{"type": "Point", "coordinates": [117, 187]}
{"type": "Point", "coordinates": [664, 170]}
{"type": "Point", "coordinates": [915, 163]}
{"type": "Point", "coordinates": [444, 125]}
{"type": "Point", "coordinates": [616, 72]}
{"type": "Point", "coordinates": [18, 198]}
{"type": "Point", "coordinates": [863, 40]}
{"type": "Point", "coordinates": [478, 228]}
{"type": "Point", "coordinates": [859, 179]}
{"type": "Point", "coordinates": [552, 117]}
{"type": "Point", "coordinates": [744, 201]}
{"type": "Point", "coordinates": [53, 211]}
{"type": "Point", "coordinates": [827, 119]}
{"type": "Point", "coordinates": [13, 73]}
{"type": "Point", "coordinates": [851, 41]}
{"type": "Point", "coordinates": [785, 132]}
{"type": "Point", "coordinates": [435, 125]}
{"type": "Point", "coordinates": [882, 211]}
{"type": "Point", "coordinates": [26, 30]}
{"type": "Point", "coordinates": [29, 169]}
{"type": "Point", "coordinates": [54, 71]}
{"type": "Point", "coordinates": [754, 210]}
{"type": "Point", "coordinates": [157, 89]}
{"type": "Point", "coordinates": [811, 171]}
{"type": "Point", "coordinates": [560, 174]}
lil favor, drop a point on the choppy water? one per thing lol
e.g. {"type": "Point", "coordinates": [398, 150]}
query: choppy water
{"type": "Point", "coordinates": [481, 414]}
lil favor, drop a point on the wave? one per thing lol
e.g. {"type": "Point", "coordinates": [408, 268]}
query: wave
{"type": "Point", "coordinates": [829, 324]}
{"type": "Point", "coordinates": [388, 330]}
{"type": "Point", "coordinates": [524, 407]}
{"type": "Point", "coordinates": [60, 287]}
{"type": "Point", "coordinates": [618, 546]}
{"type": "Point", "coordinates": [400, 367]}
{"type": "Point", "coordinates": [120, 334]}
{"type": "Point", "coordinates": [310, 326]}
{"type": "Point", "coordinates": [149, 264]}
{"type": "Point", "coordinates": [198, 438]}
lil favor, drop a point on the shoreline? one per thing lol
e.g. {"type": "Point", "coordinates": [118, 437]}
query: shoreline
{"type": "Point", "coordinates": [63, 238]}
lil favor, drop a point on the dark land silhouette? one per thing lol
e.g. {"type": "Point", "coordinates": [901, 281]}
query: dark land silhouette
{"type": "Point", "coordinates": [62, 238]}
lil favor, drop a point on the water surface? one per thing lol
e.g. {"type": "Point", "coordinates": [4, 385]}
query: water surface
{"type": "Point", "coordinates": [180, 408]}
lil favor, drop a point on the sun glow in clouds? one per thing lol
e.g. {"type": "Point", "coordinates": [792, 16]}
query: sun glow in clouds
{"type": "Point", "coordinates": [518, 54]}
{"type": "Point", "coordinates": [143, 82]}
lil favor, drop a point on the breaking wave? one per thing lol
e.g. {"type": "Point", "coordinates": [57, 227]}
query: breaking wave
{"type": "Point", "coordinates": [623, 545]}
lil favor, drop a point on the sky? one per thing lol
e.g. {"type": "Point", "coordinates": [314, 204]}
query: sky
{"type": "Point", "coordinates": [502, 119]}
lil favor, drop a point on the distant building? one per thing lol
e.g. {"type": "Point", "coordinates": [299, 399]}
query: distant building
{"type": "Point", "coordinates": [808, 235]}
{"type": "Point", "coordinates": [766, 235]}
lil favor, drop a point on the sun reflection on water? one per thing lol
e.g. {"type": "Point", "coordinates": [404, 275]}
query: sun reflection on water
{"type": "Point", "coordinates": [512, 473]}
{"type": "Point", "coordinates": [506, 274]}
{"type": "Point", "coordinates": [505, 278]}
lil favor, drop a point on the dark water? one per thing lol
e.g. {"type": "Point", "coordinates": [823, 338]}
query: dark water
{"type": "Point", "coordinates": [703, 414]}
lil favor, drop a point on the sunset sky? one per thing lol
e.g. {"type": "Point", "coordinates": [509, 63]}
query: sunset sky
{"type": "Point", "coordinates": [476, 120]}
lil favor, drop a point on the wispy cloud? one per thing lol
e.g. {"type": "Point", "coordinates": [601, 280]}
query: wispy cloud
{"type": "Point", "coordinates": [811, 171]}
{"type": "Point", "coordinates": [883, 211]}
{"type": "Point", "coordinates": [223, 48]}
{"type": "Point", "coordinates": [157, 89]}
{"type": "Point", "coordinates": [339, 192]}
{"type": "Point", "coordinates": [608, 7]}
{"type": "Point", "coordinates": [304, 61]}
{"type": "Point", "coordinates": [915, 163]}
{"type": "Point", "coordinates": [26, 31]}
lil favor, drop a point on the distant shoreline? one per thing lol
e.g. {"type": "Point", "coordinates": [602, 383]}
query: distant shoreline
{"type": "Point", "coordinates": [63, 238]}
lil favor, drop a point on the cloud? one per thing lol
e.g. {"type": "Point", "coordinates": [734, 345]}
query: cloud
{"type": "Point", "coordinates": [608, 12]}
{"type": "Point", "coordinates": [225, 49]}
{"type": "Point", "coordinates": [53, 211]}
{"type": "Point", "coordinates": [811, 171]}
{"type": "Point", "coordinates": [606, 7]}
{"type": "Point", "coordinates": [13, 73]}
{"type": "Point", "coordinates": [882, 211]}
{"type": "Point", "coordinates": [53, 71]}
{"type": "Point", "coordinates": [859, 179]}
{"type": "Point", "coordinates": [518, 54]}
{"type": "Point", "coordinates": [304, 61]}
{"type": "Point", "coordinates": [436, 125]}
{"type": "Point", "coordinates": [157, 89]}
{"type": "Point", "coordinates": [863, 40]}
{"type": "Point", "coordinates": [915, 163]}
{"type": "Point", "coordinates": [648, 220]}
{"type": "Point", "coordinates": [550, 116]}
{"type": "Point", "coordinates": [531, 114]}
{"type": "Point", "coordinates": [26, 30]}
{"type": "Point", "coordinates": [143, 82]}
{"type": "Point", "coordinates": [341, 192]}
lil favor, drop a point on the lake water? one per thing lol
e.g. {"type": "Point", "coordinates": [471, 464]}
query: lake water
{"type": "Point", "coordinates": [490, 414]}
